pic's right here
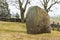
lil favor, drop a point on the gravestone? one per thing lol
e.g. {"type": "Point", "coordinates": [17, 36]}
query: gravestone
{"type": "Point", "coordinates": [37, 21]}
{"type": "Point", "coordinates": [53, 25]}
{"type": "Point", "coordinates": [58, 27]}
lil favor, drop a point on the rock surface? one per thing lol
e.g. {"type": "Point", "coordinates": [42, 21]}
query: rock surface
{"type": "Point", "coordinates": [37, 21]}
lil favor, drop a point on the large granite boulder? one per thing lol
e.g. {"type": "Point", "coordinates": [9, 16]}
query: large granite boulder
{"type": "Point", "coordinates": [37, 21]}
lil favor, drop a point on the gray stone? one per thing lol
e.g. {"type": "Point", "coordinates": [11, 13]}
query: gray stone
{"type": "Point", "coordinates": [37, 21]}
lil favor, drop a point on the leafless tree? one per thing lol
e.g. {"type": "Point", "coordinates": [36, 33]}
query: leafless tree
{"type": "Point", "coordinates": [47, 7]}
{"type": "Point", "coordinates": [19, 5]}
{"type": "Point", "coordinates": [22, 10]}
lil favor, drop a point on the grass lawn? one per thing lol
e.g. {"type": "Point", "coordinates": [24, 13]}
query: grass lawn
{"type": "Point", "coordinates": [17, 31]}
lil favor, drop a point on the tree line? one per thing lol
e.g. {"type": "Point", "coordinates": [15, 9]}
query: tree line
{"type": "Point", "coordinates": [20, 3]}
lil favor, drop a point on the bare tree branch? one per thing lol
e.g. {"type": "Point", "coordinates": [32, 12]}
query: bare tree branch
{"type": "Point", "coordinates": [42, 3]}
{"type": "Point", "coordinates": [20, 4]}
{"type": "Point", "coordinates": [46, 2]}
{"type": "Point", "coordinates": [26, 5]}
{"type": "Point", "coordinates": [53, 4]}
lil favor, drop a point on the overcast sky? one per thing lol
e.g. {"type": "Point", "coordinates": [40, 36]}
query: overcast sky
{"type": "Point", "coordinates": [55, 8]}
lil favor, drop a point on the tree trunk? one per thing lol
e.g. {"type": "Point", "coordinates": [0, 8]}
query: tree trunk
{"type": "Point", "coordinates": [22, 17]}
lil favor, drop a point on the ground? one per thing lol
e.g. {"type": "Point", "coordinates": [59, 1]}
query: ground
{"type": "Point", "coordinates": [17, 31]}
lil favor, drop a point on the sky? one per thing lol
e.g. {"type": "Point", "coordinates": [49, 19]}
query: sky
{"type": "Point", "coordinates": [55, 8]}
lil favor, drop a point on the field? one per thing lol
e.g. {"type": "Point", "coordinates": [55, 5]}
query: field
{"type": "Point", "coordinates": [17, 31]}
{"type": "Point", "coordinates": [55, 19]}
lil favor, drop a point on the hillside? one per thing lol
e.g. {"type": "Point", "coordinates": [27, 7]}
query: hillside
{"type": "Point", "coordinates": [17, 31]}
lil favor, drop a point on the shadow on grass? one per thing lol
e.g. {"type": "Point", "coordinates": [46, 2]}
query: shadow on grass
{"type": "Point", "coordinates": [12, 31]}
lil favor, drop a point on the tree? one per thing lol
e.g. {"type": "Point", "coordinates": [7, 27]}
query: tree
{"type": "Point", "coordinates": [8, 10]}
{"type": "Point", "coordinates": [45, 4]}
{"type": "Point", "coordinates": [22, 10]}
{"type": "Point", "coordinates": [20, 4]}
{"type": "Point", "coordinates": [17, 16]}
{"type": "Point", "coordinates": [4, 11]}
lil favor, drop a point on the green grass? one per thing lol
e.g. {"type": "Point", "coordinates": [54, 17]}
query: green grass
{"type": "Point", "coordinates": [17, 31]}
{"type": "Point", "coordinates": [55, 18]}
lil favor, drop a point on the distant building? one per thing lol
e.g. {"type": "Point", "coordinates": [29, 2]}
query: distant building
{"type": "Point", "coordinates": [4, 11]}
